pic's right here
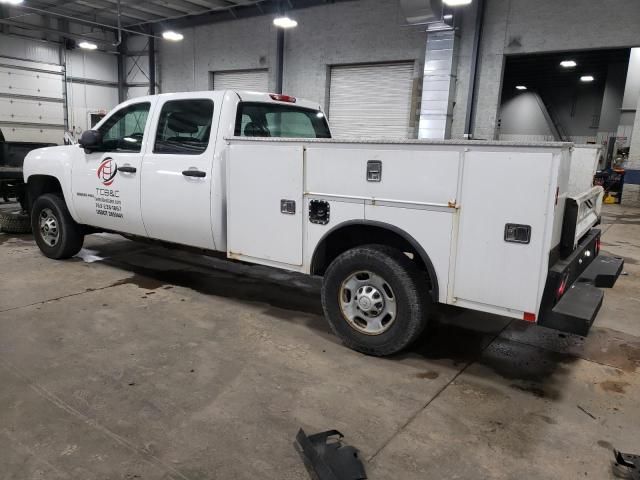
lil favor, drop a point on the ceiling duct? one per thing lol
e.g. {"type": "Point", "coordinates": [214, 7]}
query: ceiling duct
{"type": "Point", "coordinates": [421, 12]}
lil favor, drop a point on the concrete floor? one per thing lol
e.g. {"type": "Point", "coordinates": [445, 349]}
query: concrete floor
{"type": "Point", "coordinates": [140, 362]}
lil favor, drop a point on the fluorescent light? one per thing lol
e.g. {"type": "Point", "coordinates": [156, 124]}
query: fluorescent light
{"type": "Point", "coordinates": [284, 22]}
{"type": "Point", "coordinates": [587, 78]}
{"type": "Point", "coordinates": [568, 63]}
{"type": "Point", "coordinates": [448, 16]}
{"type": "Point", "coordinates": [172, 36]}
{"type": "Point", "coordinates": [520, 87]}
{"type": "Point", "coordinates": [87, 45]}
{"type": "Point", "coordinates": [457, 3]}
{"type": "Point", "coordinates": [11, 2]}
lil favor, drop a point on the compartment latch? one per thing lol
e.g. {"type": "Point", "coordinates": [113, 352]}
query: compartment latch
{"type": "Point", "coordinates": [374, 171]}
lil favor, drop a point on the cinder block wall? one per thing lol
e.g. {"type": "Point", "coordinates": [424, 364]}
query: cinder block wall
{"type": "Point", "coordinates": [361, 31]}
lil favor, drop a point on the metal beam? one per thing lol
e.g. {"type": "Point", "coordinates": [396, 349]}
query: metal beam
{"type": "Point", "coordinates": [152, 66]}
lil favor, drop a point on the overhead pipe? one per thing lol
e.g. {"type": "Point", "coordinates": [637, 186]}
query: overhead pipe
{"type": "Point", "coordinates": [117, 44]}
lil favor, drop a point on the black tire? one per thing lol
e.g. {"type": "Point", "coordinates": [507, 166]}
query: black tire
{"type": "Point", "coordinates": [409, 286]}
{"type": "Point", "coordinates": [15, 221]}
{"type": "Point", "coordinates": [70, 237]}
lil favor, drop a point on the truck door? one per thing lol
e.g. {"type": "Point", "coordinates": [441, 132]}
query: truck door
{"type": "Point", "coordinates": [106, 183]}
{"type": "Point", "coordinates": [177, 173]}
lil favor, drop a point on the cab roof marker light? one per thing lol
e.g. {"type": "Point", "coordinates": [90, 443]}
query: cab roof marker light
{"type": "Point", "coordinates": [282, 98]}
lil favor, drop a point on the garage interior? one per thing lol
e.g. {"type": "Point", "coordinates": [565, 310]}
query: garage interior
{"type": "Point", "coordinates": [135, 360]}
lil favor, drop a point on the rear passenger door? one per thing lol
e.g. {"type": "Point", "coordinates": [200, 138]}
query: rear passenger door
{"type": "Point", "coordinates": [177, 172]}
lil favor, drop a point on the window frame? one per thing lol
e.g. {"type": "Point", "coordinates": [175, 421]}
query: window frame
{"type": "Point", "coordinates": [237, 131]}
{"type": "Point", "coordinates": [118, 112]}
{"type": "Point", "coordinates": [157, 126]}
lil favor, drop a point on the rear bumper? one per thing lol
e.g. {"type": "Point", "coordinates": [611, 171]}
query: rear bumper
{"type": "Point", "coordinates": [576, 310]}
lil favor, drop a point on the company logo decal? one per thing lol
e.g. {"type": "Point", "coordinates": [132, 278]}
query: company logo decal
{"type": "Point", "coordinates": [107, 171]}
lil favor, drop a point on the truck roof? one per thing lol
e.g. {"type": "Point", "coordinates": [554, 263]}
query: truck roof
{"type": "Point", "coordinates": [244, 95]}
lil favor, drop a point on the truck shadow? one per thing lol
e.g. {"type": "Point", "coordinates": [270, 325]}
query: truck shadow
{"type": "Point", "coordinates": [454, 335]}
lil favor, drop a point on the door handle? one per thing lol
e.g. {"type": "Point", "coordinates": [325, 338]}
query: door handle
{"type": "Point", "coordinates": [127, 169]}
{"type": "Point", "coordinates": [194, 173]}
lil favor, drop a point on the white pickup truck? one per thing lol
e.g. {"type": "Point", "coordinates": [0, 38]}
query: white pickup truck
{"type": "Point", "coordinates": [394, 227]}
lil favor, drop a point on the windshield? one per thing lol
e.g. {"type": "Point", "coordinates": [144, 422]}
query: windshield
{"type": "Point", "coordinates": [256, 119]}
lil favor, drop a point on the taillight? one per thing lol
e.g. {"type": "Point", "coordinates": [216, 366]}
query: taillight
{"type": "Point", "coordinates": [557, 194]}
{"type": "Point", "coordinates": [563, 286]}
{"type": "Point", "coordinates": [283, 98]}
{"type": "Point", "coordinates": [529, 317]}
{"type": "Point", "coordinates": [597, 245]}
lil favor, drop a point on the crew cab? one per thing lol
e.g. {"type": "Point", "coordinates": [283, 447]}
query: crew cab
{"type": "Point", "coordinates": [393, 226]}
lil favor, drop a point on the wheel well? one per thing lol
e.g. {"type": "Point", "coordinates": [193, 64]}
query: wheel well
{"type": "Point", "coordinates": [39, 185]}
{"type": "Point", "coordinates": [354, 234]}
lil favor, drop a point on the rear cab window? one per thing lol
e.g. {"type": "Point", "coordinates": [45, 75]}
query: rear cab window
{"type": "Point", "coordinates": [256, 119]}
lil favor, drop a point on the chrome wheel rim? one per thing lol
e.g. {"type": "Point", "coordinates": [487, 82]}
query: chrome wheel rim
{"type": "Point", "coordinates": [49, 231]}
{"type": "Point", "coordinates": [368, 303]}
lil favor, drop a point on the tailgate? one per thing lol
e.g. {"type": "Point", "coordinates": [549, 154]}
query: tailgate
{"type": "Point", "coordinates": [581, 213]}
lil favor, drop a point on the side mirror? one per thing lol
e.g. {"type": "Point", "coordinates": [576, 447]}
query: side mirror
{"type": "Point", "coordinates": [90, 140]}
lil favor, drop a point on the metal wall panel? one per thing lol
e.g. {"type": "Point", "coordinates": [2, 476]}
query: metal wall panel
{"type": "Point", "coordinates": [371, 100]}
{"type": "Point", "coordinates": [34, 50]}
{"type": "Point", "coordinates": [254, 80]}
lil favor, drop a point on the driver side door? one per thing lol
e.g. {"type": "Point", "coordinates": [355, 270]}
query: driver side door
{"type": "Point", "coordinates": [106, 182]}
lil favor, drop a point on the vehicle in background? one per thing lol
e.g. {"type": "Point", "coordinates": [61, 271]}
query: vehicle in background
{"type": "Point", "coordinates": [12, 185]}
{"type": "Point", "coordinates": [393, 227]}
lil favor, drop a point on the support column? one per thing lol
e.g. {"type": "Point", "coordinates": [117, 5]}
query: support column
{"type": "Point", "coordinates": [631, 192]}
{"type": "Point", "coordinates": [279, 59]}
{"type": "Point", "coordinates": [152, 66]}
{"type": "Point", "coordinates": [122, 69]}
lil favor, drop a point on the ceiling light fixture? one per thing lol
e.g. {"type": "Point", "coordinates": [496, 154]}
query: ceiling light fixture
{"type": "Point", "coordinates": [457, 3]}
{"type": "Point", "coordinates": [448, 16]}
{"type": "Point", "coordinates": [568, 63]}
{"type": "Point", "coordinates": [587, 78]}
{"type": "Point", "coordinates": [87, 45]}
{"type": "Point", "coordinates": [11, 2]}
{"type": "Point", "coordinates": [284, 22]}
{"type": "Point", "coordinates": [520, 87]}
{"type": "Point", "coordinates": [172, 36]}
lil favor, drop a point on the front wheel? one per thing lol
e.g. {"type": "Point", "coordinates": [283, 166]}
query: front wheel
{"type": "Point", "coordinates": [58, 236]}
{"type": "Point", "coordinates": [375, 299]}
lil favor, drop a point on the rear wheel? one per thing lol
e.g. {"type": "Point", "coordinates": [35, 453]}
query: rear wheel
{"type": "Point", "coordinates": [58, 236]}
{"type": "Point", "coordinates": [375, 299]}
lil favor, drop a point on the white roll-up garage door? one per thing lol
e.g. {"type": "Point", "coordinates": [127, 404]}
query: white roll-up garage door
{"type": "Point", "coordinates": [371, 100]}
{"type": "Point", "coordinates": [253, 80]}
{"type": "Point", "coordinates": [31, 101]}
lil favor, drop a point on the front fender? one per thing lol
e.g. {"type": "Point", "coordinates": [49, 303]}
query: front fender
{"type": "Point", "coordinates": [56, 162]}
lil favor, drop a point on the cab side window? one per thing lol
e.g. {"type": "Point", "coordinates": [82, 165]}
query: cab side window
{"type": "Point", "coordinates": [123, 131]}
{"type": "Point", "coordinates": [184, 127]}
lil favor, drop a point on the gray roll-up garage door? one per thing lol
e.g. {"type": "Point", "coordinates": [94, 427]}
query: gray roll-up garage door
{"type": "Point", "coordinates": [371, 100]}
{"type": "Point", "coordinates": [254, 80]}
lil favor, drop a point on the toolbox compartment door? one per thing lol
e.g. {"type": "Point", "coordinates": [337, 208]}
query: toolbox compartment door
{"type": "Point", "coordinates": [501, 188]}
{"type": "Point", "coordinates": [264, 203]}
